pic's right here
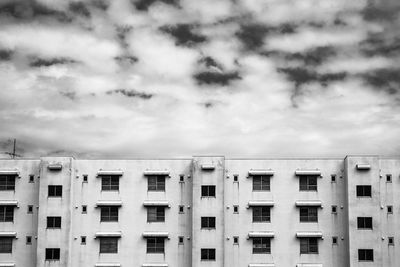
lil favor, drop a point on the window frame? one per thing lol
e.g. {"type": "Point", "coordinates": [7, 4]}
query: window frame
{"type": "Point", "coordinates": [363, 189]}
{"type": "Point", "coordinates": [109, 214]}
{"type": "Point", "coordinates": [55, 254]}
{"type": "Point", "coordinates": [309, 245]}
{"type": "Point", "coordinates": [207, 190]}
{"type": "Point", "coordinates": [6, 213]}
{"type": "Point", "coordinates": [311, 216]}
{"type": "Point", "coordinates": [6, 244]}
{"type": "Point", "coordinates": [208, 254]}
{"type": "Point", "coordinates": [158, 216]}
{"type": "Point", "coordinates": [54, 191]}
{"type": "Point", "coordinates": [208, 222]}
{"type": "Point", "coordinates": [306, 183]}
{"type": "Point", "coordinates": [53, 222]}
{"type": "Point", "coordinates": [155, 245]}
{"type": "Point", "coordinates": [108, 245]}
{"type": "Point", "coordinates": [110, 182]}
{"type": "Point", "coordinates": [7, 182]}
{"type": "Point", "coordinates": [156, 183]}
{"type": "Point", "coordinates": [363, 255]}
{"type": "Point", "coordinates": [264, 243]}
{"type": "Point", "coordinates": [261, 214]}
{"type": "Point", "coordinates": [261, 183]}
{"type": "Point", "coordinates": [364, 222]}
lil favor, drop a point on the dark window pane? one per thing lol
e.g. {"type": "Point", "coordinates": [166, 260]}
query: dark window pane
{"type": "Point", "coordinates": [156, 214]}
{"type": "Point", "coordinates": [109, 214]}
{"type": "Point", "coordinates": [52, 254]}
{"type": "Point", "coordinates": [6, 214]}
{"type": "Point", "coordinates": [261, 214]}
{"type": "Point", "coordinates": [108, 245]}
{"type": "Point", "coordinates": [53, 222]}
{"type": "Point", "coordinates": [7, 182]}
{"type": "Point", "coordinates": [55, 190]}
{"type": "Point", "coordinates": [6, 244]}
{"type": "Point", "coordinates": [155, 245]}
{"type": "Point", "coordinates": [308, 214]}
{"type": "Point", "coordinates": [308, 245]}
{"type": "Point", "coordinates": [261, 183]}
{"type": "Point", "coordinates": [208, 190]}
{"type": "Point", "coordinates": [110, 183]}
{"type": "Point", "coordinates": [207, 254]}
{"type": "Point", "coordinates": [261, 245]}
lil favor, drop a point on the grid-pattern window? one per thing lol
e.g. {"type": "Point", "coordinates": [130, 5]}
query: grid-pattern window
{"type": "Point", "coordinates": [364, 191]}
{"type": "Point", "coordinates": [261, 245]}
{"type": "Point", "coordinates": [110, 183]}
{"type": "Point", "coordinates": [309, 245]}
{"type": "Point", "coordinates": [208, 222]}
{"type": "Point", "coordinates": [308, 183]}
{"type": "Point", "coordinates": [6, 244]}
{"type": "Point", "coordinates": [52, 254]}
{"type": "Point", "coordinates": [156, 214]}
{"type": "Point", "coordinates": [208, 190]}
{"type": "Point", "coordinates": [364, 222]}
{"type": "Point", "coordinates": [365, 255]}
{"type": "Point", "coordinates": [109, 214]}
{"type": "Point", "coordinates": [55, 190]}
{"type": "Point", "coordinates": [262, 214]}
{"type": "Point", "coordinates": [308, 214]}
{"type": "Point", "coordinates": [6, 213]}
{"type": "Point", "coordinates": [53, 222]}
{"type": "Point", "coordinates": [109, 245]}
{"type": "Point", "coordinates": [261, 183]}
{"type": "Point", "coordinates": [155, 245]}
{"type": "Point", "coordinates": [207, 254]}
{"type": "Point", "coordinates": [156, 183]}
{"type": "Point", "coordinates": [7, 182]}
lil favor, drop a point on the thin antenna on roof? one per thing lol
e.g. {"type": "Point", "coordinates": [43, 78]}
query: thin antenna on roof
{"type": "Point", "coordinates": [13, 154]}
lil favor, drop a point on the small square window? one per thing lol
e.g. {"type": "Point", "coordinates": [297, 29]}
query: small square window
{"type": "Point", "coordinates": [29, 240]}
{"type": "Point", "coordinates": [236, 240]}
{"type": "Point", "coordinates": [181, 178]}
{"type": "Point", "coordinates": [85, 178]}
{"type": "Point", "coordinates": [333, 178]}
{"type": "Point", "coordinates": [390, 209]}
{"type": "Point", "coordinates": [235, 177]}
{"type": "Point", "coordinates": [334, 209]}
{"type": "Point", "coordinates": [83, 240]}
{"type": "Point", "coordinates": [84, 209]}
{"type": "Point", "coordinates": [391, 241]}
{"type": "Point", "coordinates": [181, 209]}
{"type": "Point", "coordinates": [31, 178]}
{"type": "Point", "coordinates": [180, 240]}
{"type": "Point", "coordinates": [235, 209]}
{"type": "Point", "coordinates": [334, 240]}
{"type": "Point", "coordinates": [388, 178]}
{"type": "Point", "coordinates": [30, 209]}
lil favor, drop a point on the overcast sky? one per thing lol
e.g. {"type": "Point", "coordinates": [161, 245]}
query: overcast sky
{"type": "Point", "coordinates": [176, 78]}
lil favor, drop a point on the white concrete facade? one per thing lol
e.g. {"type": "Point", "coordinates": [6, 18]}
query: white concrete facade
{"type": "Point", "coordinates": [183, 202]}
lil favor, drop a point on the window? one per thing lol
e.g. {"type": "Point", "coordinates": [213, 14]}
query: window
{"type": "Point", "coordinates": [31, 178]}
{"type": "Point", "coordinates": [308, 214]}
{"type": "Point", "coordinates": [334, 209]}
{"type": "Point", "coordinates": [6, 244]}
{"type": "Point", "coordinates": [156, 183]}
{"type": "Point", "coordinates": [333, 178]}
{"type": "Point", "coordinates": [85, 178]}
{"type": "Point", "coordinates": [109, 214]}
{"type": "Point", "coordinates": [236, 240]}
{"type": "Point", "coordinates": [208, 190]}
{"type": "Point", "coordinates": [52, 254]}
{"type": "Point", "coordinates": [261, 183]}
{"type": "Point", "coordinates": [208, 254]}
{"type": "Point", "coordinates": [181, 209]}
{"type": "Point", "coordinates": [364, 222]}
{"type": "Point", "coordinates": [235, 209]}
{"type": "Point", "coordinates": [156, 214]}
{"type": "Point", "coordinates": [180, 240]}
{"type": "Point", "coordinates": [391, 241]}
{"type": "Point", "coordinates": [83, 240]}
{"type": "Point", "coordinates": [84, 209]}
{"type": "Point", "coordinates": [110, 183]}
{"type": "Point", "coordinates": [235, 178]}
{"type": "Point", "coordinates": [7, 182]}
{"type": "Point", "coordinates": [155, 245]}
{"type": "Point", "coordinates": [389, 209]}
{"type": "Point", "coordinates": [388, 178]}
{"type": "Point", "coordinates": [334, 240]}
{"type": "Point", "coordinates": [261, 214]}
{"type": "Point", "coordinates": [6, 214]}
{"type": "Point", "coordinates": [308, 183]}
{"type": "Point", "coordinates": [181, 178]}
{"type": "Point", "coordinates": [261, 245]}
{"type": "Point", "coordinates": [29, 240]}
{"type": "Point", "coordinates": [30, 209]}
{"type": "Point", "coordinates": [53, 222]}
{"type": "Point", "coordinates": [208, 222]}
{"type": "Point", "coordinates": [109, 245]}
{"type": "Point", "coordinates": [55, 190]}
{"type": "Point", "coordinates": [365, 255]}
{"type": "Point", "coordinates": [364, 191]}
{"type": "Point", "coordinates": [309, 245]}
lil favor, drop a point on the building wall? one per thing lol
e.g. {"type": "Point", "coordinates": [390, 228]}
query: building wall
{"type": "Point", "coordinates": [285, 247]}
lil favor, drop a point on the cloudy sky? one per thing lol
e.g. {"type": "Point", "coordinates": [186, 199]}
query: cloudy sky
{"type": "Point", "coordinates": [176, 78]}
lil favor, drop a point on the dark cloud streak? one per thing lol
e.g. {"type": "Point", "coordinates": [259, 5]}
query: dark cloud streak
{"type": "Point", "coordinates": [130, 93]}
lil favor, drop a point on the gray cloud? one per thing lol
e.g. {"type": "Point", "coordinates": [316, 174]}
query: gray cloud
{"type": "Point", "coordinates": [144, 5]}
{"type": "Point", "coordinates": [384, 79]}
{"type": "Point", "coordinates": [79, 8]}
{"type": "Point", "coordinates": [216, 78]}
{"type": "Point", "coordinates": [41, 62]}
{"type": "Point", "coordinates": [184, 34]}
{"type": "Point", "coordinates": [5, 55]}
{"type": "Point", "coordinates": [131, 93]}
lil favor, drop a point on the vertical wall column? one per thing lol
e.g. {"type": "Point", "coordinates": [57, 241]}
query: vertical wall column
{"type": "Point", "coordinates": [55, 171]}
{"type": "Point", "coordinates": [208, 171]}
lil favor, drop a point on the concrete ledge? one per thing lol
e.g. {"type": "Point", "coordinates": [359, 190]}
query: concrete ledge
{"type": "Point", "coordinates": [108, 234]}
{"type": "Point", "coordinates": [155, 234]}
{"type": "Point", "coordinates": [207, 167]}
{"type": "Point", "coordinates": [257, 203]}
{"type": "Point", "coordinates": [308, 203]}
{"type": "Point", "coordinates": [152, 203]}
{"type": "Point", "coordinates": [307, 172]}
{"type": "Point", "coordinates": [55, 166]}
{"type": "Point", "coordinates": [9, 203]}
{"type": "Point", "coordinates": [268, 172]}
{"type": "Point", "coordinates": [107, 265]}
{"type": "Point", "coordinates": [154, 265]}
{"type": "Point", "coordinates": [117, 203]}
{"type": "Point", "coordinates": [156, 172]}
{"type": "Point", "coordinates": [309, 265]}
{"type": "Point", "coordinates": [261, 265]}
{"type": "Point", "coordinates": [363, 167]}
{"type": "Point", "coordinates": [7, 264]}
{"type": "Point", "coordinates": [8, 234]}
{"type": "Point", "coordinates": [309, 234]}
{"type": "Point", "coordinates": [261, 234]}
{"type": "Point", "coordinates": [9, 172]}
{"type": "Point", "coordinates": [109, 172]}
